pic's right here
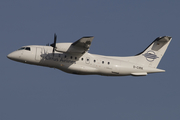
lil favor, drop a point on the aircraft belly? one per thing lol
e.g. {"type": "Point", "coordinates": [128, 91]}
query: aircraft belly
{"type": "Point", "coordinates": [80, 69]}
{"type": "Point", "coordinates": [77, 69]}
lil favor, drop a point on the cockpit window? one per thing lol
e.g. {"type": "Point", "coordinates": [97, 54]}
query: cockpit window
{"type": "Point", "coordinates": [28, 48]}
{"type": "Point", "coordinates": [25, 48]}
{"type": "Point", "coordinates": [21, 48]}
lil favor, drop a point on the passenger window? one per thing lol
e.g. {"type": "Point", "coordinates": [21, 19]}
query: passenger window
{"type": "Point", "coordinates": [64, 56]}
{"type": "Point", "coordinates": [102, 62]}
{"type": "Point", "coordinates": [75, 58]}
{"type": "Point", "coordinates": [71, 57]}
{"type": "Point", "coordinates": [81, 58]}
{"type": "Point", "coordinates": [108, 63]}
{"type": "Point", "coordinates": [94, 60]}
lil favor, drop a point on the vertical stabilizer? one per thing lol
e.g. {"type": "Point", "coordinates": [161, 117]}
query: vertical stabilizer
{"type": "Point", "coordinates": [152, 55]}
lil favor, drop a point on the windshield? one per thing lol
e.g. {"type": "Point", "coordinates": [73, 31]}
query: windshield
{"type": "Point", "coordinates": [21, 48]}
{"type": "Point", "coordinates": [25, 48]}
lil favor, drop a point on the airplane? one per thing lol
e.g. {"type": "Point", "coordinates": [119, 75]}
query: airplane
{"type": "Point", "coordinates": [74, 58]}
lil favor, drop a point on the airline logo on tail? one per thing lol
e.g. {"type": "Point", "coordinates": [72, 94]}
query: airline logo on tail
{"type": "Point", "coordinates": [150, 56]}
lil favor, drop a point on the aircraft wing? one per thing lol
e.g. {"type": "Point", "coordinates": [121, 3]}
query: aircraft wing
{"type": "Point", "coordinates": [83, 44]}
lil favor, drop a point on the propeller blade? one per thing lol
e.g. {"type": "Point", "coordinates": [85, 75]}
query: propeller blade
{"type": "Point", "coordinates": [55, 36]}
{"type": "Point", "coordinates": [54, 44]}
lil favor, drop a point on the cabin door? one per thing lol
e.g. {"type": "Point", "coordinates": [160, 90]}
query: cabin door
{"type": "Point", "coordinates": [38, 54]}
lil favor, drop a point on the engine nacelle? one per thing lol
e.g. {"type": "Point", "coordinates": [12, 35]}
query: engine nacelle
{"type": "Point", "coordinates": [68, 47]}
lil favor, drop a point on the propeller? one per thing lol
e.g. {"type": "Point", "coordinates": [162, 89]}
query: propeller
{"type": "Point", "coordinates": [54, 44]}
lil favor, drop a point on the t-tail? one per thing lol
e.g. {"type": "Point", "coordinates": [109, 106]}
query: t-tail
{"type": "Point", "coordinates": [153, 54]}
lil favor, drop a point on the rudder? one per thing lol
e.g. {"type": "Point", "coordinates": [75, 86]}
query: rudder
{"type": "Point", "coordinates": [152, 55]}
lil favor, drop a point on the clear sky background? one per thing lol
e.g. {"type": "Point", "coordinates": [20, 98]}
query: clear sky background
{"type": "Point", "coordinates": [120, 28]}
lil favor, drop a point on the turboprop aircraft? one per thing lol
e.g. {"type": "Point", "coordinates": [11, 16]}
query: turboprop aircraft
{"type": "Point", "coordinates": [74, 58]}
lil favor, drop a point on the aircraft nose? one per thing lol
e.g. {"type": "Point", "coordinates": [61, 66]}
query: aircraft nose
{"type": "Point", "coordinates": [13, 56]}
{"type": "Point", "coordinates": [10, 56]}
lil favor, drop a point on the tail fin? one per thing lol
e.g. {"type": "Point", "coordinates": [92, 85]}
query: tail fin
{"type": "Point", "coordinates": [152, 55]}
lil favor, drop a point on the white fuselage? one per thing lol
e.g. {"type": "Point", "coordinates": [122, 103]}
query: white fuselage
{"type": "Point", "coordinates": [76, 63]}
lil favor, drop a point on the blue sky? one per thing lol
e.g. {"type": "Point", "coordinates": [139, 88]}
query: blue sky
{"type": "Point", "coordinates": [120, 28]}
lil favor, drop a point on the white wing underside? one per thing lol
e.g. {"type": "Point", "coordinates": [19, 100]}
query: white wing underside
{"type": "Point", "coordinates": [79, 47]}
{"type": "Point", "coordinates": [82, 45]}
